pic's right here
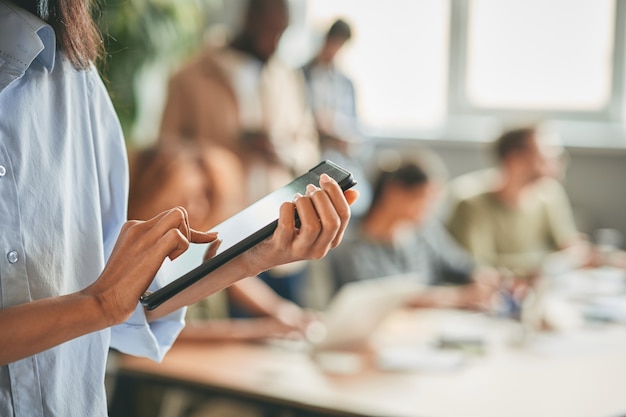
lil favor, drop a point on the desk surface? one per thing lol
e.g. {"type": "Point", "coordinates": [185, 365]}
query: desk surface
{"type": "Point", "coordinates": [579, 373]}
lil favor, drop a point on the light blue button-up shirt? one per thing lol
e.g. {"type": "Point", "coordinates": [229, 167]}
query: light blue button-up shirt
{"type": "Point", "coordinates": [63, 194]}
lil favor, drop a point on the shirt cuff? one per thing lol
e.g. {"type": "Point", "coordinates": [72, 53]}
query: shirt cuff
{"type": "Point", "coordinates": [152, 340]}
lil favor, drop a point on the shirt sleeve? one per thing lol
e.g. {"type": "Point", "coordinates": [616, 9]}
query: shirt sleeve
{"type": "Point", "coordinates": [136, 336]}
{"type": "Point", "coordinates": [153, 339]}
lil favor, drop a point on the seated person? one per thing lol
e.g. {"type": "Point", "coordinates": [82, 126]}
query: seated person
{"type": "Point", "coordinates": [399, 234]}
{"type": "Point", "coordinates": [523, 213]}
{"type": "Point", "coordinates": [206, 181]}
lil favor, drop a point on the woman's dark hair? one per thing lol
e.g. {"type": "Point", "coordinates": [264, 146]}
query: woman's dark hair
{"type": "Point", "coordinates": [76, 31]}
{"type": "Point", "coordinates": [406, 175]}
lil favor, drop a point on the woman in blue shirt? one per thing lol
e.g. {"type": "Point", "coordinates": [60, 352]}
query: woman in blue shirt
{"type": "Point", "coordinates": [71, 267]}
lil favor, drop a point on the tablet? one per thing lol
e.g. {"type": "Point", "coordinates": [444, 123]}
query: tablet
{"type": "Point", "coordinates": [249, 227]}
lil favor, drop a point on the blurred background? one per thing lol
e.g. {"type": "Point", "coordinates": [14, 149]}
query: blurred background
{"type": "Point", "coordinates": [442, 78]}
{"type": "Point", "coordinates": [447, 74]}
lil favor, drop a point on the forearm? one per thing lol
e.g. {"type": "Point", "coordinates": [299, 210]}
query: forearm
{"type": "Point", "coordinates": [35, 326]}
{"type": "Point", "coordinates": [229, 329]}
{"type": "Point", "coordinates": [256, 296]}
{"type": "Point", "coordinates": [476, 296]}
{"type": "Point", "coordinates": [208, 330]}
{"type": "Point", "coordinates": [437, 297]}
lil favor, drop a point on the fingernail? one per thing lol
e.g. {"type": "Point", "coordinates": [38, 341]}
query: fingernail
{"type": "Point", "coordinates": [297, 196]}
{"type": "Point", "coordinates": [310, 189]}
{"type": "Point", "coordinates": [325, 178]}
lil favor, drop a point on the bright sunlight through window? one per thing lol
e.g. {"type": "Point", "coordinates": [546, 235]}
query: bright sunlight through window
{"type": "Point", "coordinates": [398, 58]}
{"type": "Point", "coordinates": [537, 54]}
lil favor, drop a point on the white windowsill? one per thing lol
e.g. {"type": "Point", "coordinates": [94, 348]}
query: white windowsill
{"type": "Point", "coordinates": [578, 136]}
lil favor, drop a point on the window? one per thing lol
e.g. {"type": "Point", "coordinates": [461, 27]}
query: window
{"type": "Point", "coordinates": [454, 66]}
{"type": "Point", "coordinates": [397, 58]}
{"type": "Point", "coordinates": [539, 55]}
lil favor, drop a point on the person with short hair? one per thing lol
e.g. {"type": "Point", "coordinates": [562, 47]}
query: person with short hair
{"type": "Point", "coordinates": [523, 214]}
{"type": "Point", "coordinates": [332, 98]}
{"type": "Point", "coordinates": [331, 92]}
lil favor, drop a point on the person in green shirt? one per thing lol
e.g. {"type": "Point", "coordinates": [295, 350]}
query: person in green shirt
{"type": "Point", "coordinates": [523, 213]}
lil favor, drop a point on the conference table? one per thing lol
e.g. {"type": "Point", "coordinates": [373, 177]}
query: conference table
{"type": "Point", "coordinates": [420, 363]}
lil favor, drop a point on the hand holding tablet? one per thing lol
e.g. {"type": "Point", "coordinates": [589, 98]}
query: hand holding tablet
{"type": "Point", "coordinates": [251, 226]}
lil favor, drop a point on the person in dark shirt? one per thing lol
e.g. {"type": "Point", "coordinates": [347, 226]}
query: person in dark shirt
{"type": "Point", "coordinates": [398, 235]}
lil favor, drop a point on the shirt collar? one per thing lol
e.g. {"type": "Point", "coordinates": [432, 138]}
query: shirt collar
{"type": "Point", "coordinates": [25, 38]}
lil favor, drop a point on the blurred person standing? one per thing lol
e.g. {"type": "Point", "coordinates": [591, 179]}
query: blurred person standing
{"type": "Point", "coordinates": [523, 214]}
{"type": "Point", "coordinates": [243, 97]}
{"type": "Point", "coordinates": [332, 98]}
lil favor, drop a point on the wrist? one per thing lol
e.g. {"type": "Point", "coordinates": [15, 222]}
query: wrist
{"type": "Point", "coordinates": [102, 309]}
{"type": "Point", "coordinates": [251, 263]}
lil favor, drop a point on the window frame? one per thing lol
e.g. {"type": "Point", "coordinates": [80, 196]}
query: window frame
{"type": "Point", "coordinates": [462, 122]}
{"type": "Point", "coordinates": [459, 104]}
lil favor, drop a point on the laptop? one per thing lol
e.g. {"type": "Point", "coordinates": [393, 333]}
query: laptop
{"type": "Point", "coordinates": [358, 308]}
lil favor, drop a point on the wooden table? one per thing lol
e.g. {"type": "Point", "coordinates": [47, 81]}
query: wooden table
{"type": "Point", "coordinates": [581, 373]}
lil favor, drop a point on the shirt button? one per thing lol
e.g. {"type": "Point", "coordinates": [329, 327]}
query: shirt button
{"type": "Point", "coordinates": [3, 171]}
{"type": "Point", "coordinates": [13, 256]}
